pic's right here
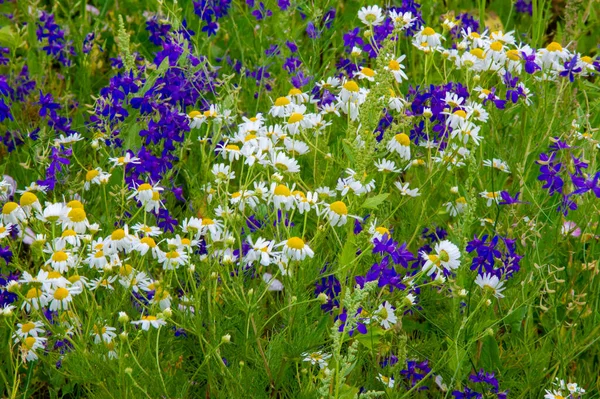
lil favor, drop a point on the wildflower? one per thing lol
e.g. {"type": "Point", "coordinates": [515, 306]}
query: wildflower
{"type": "Point", "coordinates": [490, 283]}
{"type": "Point", "coordinates": [387, 381]}
{"type": "Point", "coordinates": [427, 38]}
{"type": "Point", "coordinates": [29, 329]}
{"type": "Point", "coordinates": [371, 16]}
{"type": "Point", "coordinates": [317, 358]}
{"type": "Point", "coordinates": [283, 163]}
{"type": "Point", "coordinates": [103, 334]}
{"type": "Point", "coordinates": [75, 219]}
{"type": "Point", "coordinates": [296, 249]}
{"type": "Point", "coordinates": [125, 160]}
{"type": "Point", "coordinates": [281, 196]}
{"type": "Point", "coordinates": [491, 197]}
{"type": "Point", "coordinates": [405, 190]}
{"type": "Point", "coordinates": [35, 298]}
{"type": "Point", "coordinates": [497, 164]}
{"type": "Point", "coordinates": [444, 258]}
{"type": "Point", "coordinates": [366, 73]}
{"type": "Point", "coordinates": [222, 173]}
{"type": "Point", "coordinates": [29, 347]}
{"type": "Point", "coordinates": [400, 144]}
{"type": "Point", "coordinates": [337, 213]}
{"type": "Point", "coordinates": [457, 207]}
{"type": "Point", "coordinates": [60, 297]}
{"type": "Point", "coordinates": [148, 321]}
{"type": "Point", "coordinates": [396, 68]}
{"type": "Point", "coordinates": [13, 213]}
{"type": "Point", "coordinates": [385, 314]}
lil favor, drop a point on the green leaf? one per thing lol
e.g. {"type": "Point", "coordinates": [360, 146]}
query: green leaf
{"type": "Point", "coordinates": [348, 392]}
{"type": "Point", "coordinates": [515, 318]}
{"type": "Point", "coordinates": [372, 338]}
{"type": "Point", "coordinates": [374, 202]}
{"type": "Point", "coordinates": [348, 252]}
{"type": "Point", "coordinates": [490, 355]}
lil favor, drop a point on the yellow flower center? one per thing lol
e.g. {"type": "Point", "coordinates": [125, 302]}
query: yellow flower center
{"type": "Point", "coordinates": [428, 31]}
{"type": "Point", "coordinates": [149, 241]}
{"type": "Point", "coordinates": [74, 278]}
{"type": "Point", "coordinates": [513, 55]}
{"type": "Point", "coordinates": [144, 187]}
{"type": "Point", "coordinates": [207, 222]}
{"type": "Point", "coordinates": [394, 65]}
{"type": "Point", "coordinates": [54, 274]}
{"type": "Point", "coordinates": [60, 256]}
{"type": "Point", "coordinates": [368, 72]}
{"type": "Point", "coordinates": [125, 270]}
{"type": "Point", "coordinates": [89, 176]}
{"type": "Point", "coordinates": [9, 207]}
{"type": "Point", "coordinates": [99, 254]}
{"type": "Point", "coordinates": [295, 117]}
{"type": "Point", "coordinates": [477, 52]}
{"type": "Point", "coordinates": [496, 46]}
{"type": "Point", "coordinates": [295, 243]}
{"type": "Point", "coordinates": [27, 327]}
{"type": "Point", "coordinates": [75, 204]}
{"type": "Point", "coordinates": [382, 230]}
{"type": "Point", "coordinates": [586, 59]}
{"type": "Point", "coordinates": [554, 47]}
{"type": "Point", "coordinates": [339, 207]}
{"type": "Point", "coordinates": [186, 241]}
{"type": "Point", "coordinates": [68, 233]}
{"type": "Point", "coordinates": [474, 35]}
{"type": "Point", "coordinates": [249, 137]}
{"type": "Point", "coordinates": [61, 293]}
{"type": "Point", "coordinates": [28, 199]}
{"type": "Point", "coordinates": [29, 342]}
{"type": "Point", "coordinates": [117, 235]}
{"type": "Point", "coordinates": [282, 190]}
{"type": "Point", "coordinates": [76, 215]}
{"type": "Point", "coordinates": [461, 113]}
{"type": "Point", "coordinates": [194, 114]}
{"type": "Point", "coordinates": [172, 255]}
{"type": "Point", "coordinates": [281, 101]}
{"type": "Point", "coordinates": [351, 86]}
{"type": "Point", "coordinates": [402, 139]}
{"type": "Point", "coordinates": [294, 92]}
{"type": "Point", "coordinates": [33, 293]}
{"type": "Point", "coordinates": [444, 257]}
{"type": "Point", "coordinates": [149, 318]}
{"type": "Point", "coordinates": [232, 147]}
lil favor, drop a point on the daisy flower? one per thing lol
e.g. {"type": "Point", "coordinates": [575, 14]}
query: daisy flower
{"type": "Point", "coordinates": [60, 297]}
{"type": "Point", "coordinates": [174, 258]}
{"type": "Point", "coordinates": [405, 190]}
{"type": "Point", "coordinates": [29, 202]}
{"type": "Point", "coordinates": [35, 298]}
{"type": "Point", "coordinates": [385, 313]}
{"type": "Point", "coordinates": [29, 347]}
{"type": "Point", "coordinates": [29, 329]}
{"type": "Point", "coordinates": [105, 333]}
{"type": "Point", "coordinates": [366, 73]}
{"type": "Point", "coordinates": [75, 219]}
{"type": "Point", "coordinates": [316, 358]}
{"type": "Point", "coordinates": [497, 164]}
{"type": "Point", "coordinates": [401, 20]}
{"type": "Point", "coordinates": [262, 250]}
{"type": "Point", "coordinates": [491, 197]}
{"type": "Point", "coordinates": [230, 152]}
{"type": "Point", "coordinates": [60, 259]}
{"type": "Point", "coordinates": [337, 214]}
{"type": "Point", "coordinates": [490, 283]}
{"type": "Point", "coordinates": [222, 173]}
{"type": "Point", "coordinates": [400, 144]}
{"type": "Point", "coordinates": [428, 38]}
{"type": "Point", "coordinates": [13, 213]}
{"type": "Point", "coordinates": [296, 249]}
{"type": "Point", "coordinates": [383, 165]}
{"type": "Point", "coordinates": [53, 212]}
{"type": "Point", "coordinates": [125, 160]}
{"type": "Point", "coordinates": [95, 176]}
{"type": "Point", "coordinates": [120, 240]}
{"type": "Point", "coordinates": [397, 69]}
{"type": "Point", "coordinates": [387, 381]}
{"type": "Point", "coordinates": [457, 207]}
{"type": "Point", "coordinates": [281, 197]}
{"type": "Point", "coordinates": [444, 257]}
{"type": "Point", "coordinates": [282, 107]}
{"type": "Point", "coordinates": [149, 321]}
{"type": "Point", "coordinates": [281, 162]}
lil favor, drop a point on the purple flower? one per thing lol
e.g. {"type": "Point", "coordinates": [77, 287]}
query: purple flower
{"type": "Point", "coordinates": [352, 38]}
{"type": "Point", "coordinates": [571, 69]}
{"type": "Point", "coordinates": [261, 13]}
{"type": "Point", "coordinates": [508, 200]}
{"type": "Point", "coordinates": [312, 31]}
{"type": "Point", "coordinates": [292, 64]}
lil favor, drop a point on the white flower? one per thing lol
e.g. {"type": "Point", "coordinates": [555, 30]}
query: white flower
{"type": "Point", "coordinates": [400, 144]}
{"type": "Point", "coordinates": [223, 173]}
{"type": "Point", "coordinates": [261, 250]}
{"type": "Point", "coordinates": [296, 249]}
{"type": "Point", "coordinates": [371, 15]}
{"type": "Point", "coordinates": [281, 162]}
{"type": "Point", "coordinates": [61, 296]}
{"type": "Point", "coordinates": [317, 358]}
{"type": "Point", "coordinates": [405, 190]}
{"type": "Point", "coordinates": [383, 165]}
{"type": "Point", "coordinates": [13, 213]}
{"type": "Point", "coordinates": [396, 67]}
{"type": "Point", "coordinates": [387, 381]}
{"type": "Point", "coordinates": [497, 164]}
{"type": "Point", "coordinates": [491, 283]}
{"type": "Point", "coordinates": [149, 321]}
{"type": "Point", "coordinates": [386, 315]}
{"type": "Point", "coordinates": [445, 256]}
{"type": "Point", "coordinates": [493, 196]}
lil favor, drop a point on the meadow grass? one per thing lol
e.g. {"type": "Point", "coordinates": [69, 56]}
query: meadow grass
{"type": "Point", "coordinates": [296, 199]}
